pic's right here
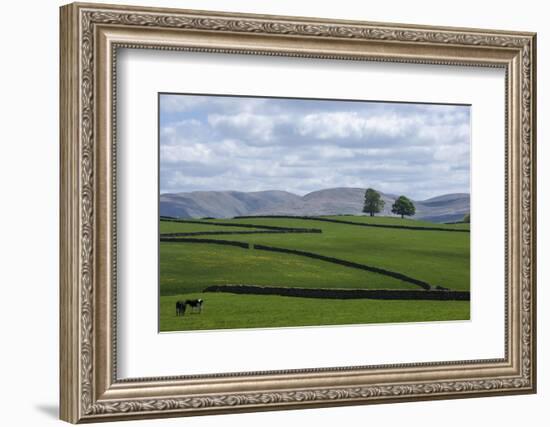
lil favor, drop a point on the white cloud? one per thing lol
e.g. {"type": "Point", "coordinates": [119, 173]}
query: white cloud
{"type": "Point", "coordinates": [249, 144]}
{"type": "Point", "coordinates": [453, 153]}
{"type": "Point", "coordinates": [254, 128]}
{"type": "Point", "coordinates": [343, 125]}
{"type": "Point", "coordinates": [180, 104]}
{"type": "Point", "coordinates": [185, 153]}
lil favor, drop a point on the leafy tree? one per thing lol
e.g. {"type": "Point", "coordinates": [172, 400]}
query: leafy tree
{"type": "Point", "coordinates": [466, 218]}
{"type": "Point", "coordinates": [403, 206]}
{"type": "Point", "coordinates": [373, 202]}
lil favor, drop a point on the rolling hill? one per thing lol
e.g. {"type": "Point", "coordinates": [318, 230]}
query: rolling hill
{"type": "Point", "coordinates": [332, 201]}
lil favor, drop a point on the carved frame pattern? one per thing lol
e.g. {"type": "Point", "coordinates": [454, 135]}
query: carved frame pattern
{"type": "Point", "coordinates": [80, 400]}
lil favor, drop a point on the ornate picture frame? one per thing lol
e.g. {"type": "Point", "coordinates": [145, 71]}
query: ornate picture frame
{"type": "Point", "coordinates": [90, 37]}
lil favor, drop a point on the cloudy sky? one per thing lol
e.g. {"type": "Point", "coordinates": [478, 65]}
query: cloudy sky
{"type": "Point", "coordinates": [297, 145]}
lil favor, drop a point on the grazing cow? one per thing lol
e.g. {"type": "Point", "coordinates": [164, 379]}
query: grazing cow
{"type": "Point", "coordinates": [195, 304]}
{"type": "Point", "coordinates": [180, 308]}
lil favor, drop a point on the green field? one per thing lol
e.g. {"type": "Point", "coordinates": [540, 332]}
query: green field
{"type": "Point", "coordinates": [397, 221]}
{"type": "Point", "coordinates": [224, 311]}
{"type": "Point", "coordinates": [187, 268]}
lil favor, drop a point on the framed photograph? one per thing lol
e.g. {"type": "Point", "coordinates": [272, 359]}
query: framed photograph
{"type": "Point", "coordinates": [267, 212]}
{"type": "Point", "coordinates": [302, 225]}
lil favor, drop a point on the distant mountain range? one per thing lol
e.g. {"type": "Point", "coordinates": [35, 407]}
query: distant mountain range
{"type": "Point", "coordinates": [331, 201]}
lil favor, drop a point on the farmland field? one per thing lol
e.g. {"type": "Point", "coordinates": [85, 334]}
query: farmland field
{"type": "Point", "coordinates": [311, 253]}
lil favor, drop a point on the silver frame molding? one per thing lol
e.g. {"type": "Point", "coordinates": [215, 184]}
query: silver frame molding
{"type": "Point", "coordinates": [90, 37]}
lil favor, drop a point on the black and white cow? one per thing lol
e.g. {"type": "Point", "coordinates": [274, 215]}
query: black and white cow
{"type": "Point", "coordinates": [180, 308]}
{"type": "Point", "coordinates": [195, 304]}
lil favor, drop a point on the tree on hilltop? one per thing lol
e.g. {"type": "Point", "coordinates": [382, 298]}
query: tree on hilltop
{"type": "Point", "coordinates": [373, 202]}
{"type": "Point", "coordinates": [403, 206]}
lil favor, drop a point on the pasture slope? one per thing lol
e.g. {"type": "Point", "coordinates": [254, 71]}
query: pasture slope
{"type": "Point", "coordinates": [396, 257]}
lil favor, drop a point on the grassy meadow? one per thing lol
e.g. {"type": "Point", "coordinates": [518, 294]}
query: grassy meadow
{"type": "Point", "coordinates": [230, 311]}
{"type": "Point", "coordinates": [187, 268]}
